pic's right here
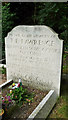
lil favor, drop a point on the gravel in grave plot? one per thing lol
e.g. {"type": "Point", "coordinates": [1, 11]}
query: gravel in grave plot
{"type": "Point", "coordinates": [26, 109]}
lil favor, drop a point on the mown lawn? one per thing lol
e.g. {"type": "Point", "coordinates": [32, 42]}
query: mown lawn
{"type": "Point", "coordinates": [60, 109]}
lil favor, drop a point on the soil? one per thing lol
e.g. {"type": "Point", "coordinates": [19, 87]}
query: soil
{"type": "Point", "coordinates": [2, 78]}
{"type": "Point", "coordinates": [26, 109]}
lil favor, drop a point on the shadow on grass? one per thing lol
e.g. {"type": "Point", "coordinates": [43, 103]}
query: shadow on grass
{"type": "Point", "coordinates": [61, 107]}
{"type": "Point", "coordinates": [64, 90]}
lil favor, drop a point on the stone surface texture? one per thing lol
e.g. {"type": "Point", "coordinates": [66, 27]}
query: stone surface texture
{"type": "Point", "coordinates": [34, 54]}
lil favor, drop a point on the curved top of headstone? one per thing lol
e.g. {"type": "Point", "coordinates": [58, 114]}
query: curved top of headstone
{"type": "Point", "coordinates": [40, 27]}
{"type": "Point", "coordinates": [33, 29]}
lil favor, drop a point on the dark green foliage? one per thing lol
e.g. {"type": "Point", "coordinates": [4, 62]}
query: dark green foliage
{"type": "Point", "coordinates": [52, 14]}
{"type": "Point", "coordinates": [14, 14]}
{"type": "Point", "coordinates": [7, 19]}
{"type": "Point", "coordinates": [24, 12]}
{"type": "Point", "coordinates": [7, 23]}
{"type": "Point", "coordinates": [3, 70]}
{"type": "Point", "coordinates": [64, 36]}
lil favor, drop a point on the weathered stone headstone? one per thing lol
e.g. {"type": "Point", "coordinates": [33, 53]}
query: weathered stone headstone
{"type": "Point", "coordinates": [34, 54]}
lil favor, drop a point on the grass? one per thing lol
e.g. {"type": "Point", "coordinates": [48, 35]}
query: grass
{"type": "Point", "coordinates": [65, 63]}
{"type": "Point", "coordinates": [60, 110]}
{"type": "Point", "coordinates": [65, 69]}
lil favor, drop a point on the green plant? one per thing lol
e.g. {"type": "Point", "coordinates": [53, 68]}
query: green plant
{"type": "Point", "coordinates": [0, 110]}
{"type": "Point", "coordinates": [48, 13]}
{"type": "Point", "coordinates": [7, 23]}
{"type": "Point", "coordinates": [3, 70]}
{"type": "Point", "coordinates": [21, 95]}
{"type": "Point", "coordinates": [65, 55]}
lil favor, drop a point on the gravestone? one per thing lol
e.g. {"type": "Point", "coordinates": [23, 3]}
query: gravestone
{"type": "Point", "coordinates": [34, 54]}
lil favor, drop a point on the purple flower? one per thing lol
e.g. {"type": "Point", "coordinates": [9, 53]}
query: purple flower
{"type": "Point", "coordinates": [10, 100]}
{"type": "Point", "coordinates": [5, 97]}
{"type": "Point", "coordinates": [8, 97]}
{"type": "Point", "coordinates": [6, 100]}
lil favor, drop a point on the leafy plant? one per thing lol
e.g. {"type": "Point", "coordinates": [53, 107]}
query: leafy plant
{"type": "Point", "coordinates": [21, 95]}
{"type": "Point", "coordinates": [7, 23]}
{"type": "Point", "coordinates": [0, 110]}
{"type": "Point", "coordinates": [51, 14]}
{"type": "Point", "coordinates": [3, 70]}
{"type": "Point", "coordinates": [65, 55]}
{"type": "Point", "coordinates": [54, 15]}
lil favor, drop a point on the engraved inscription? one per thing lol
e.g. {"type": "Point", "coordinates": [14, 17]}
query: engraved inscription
{"type": "Point", "coordinates": [34, 53]}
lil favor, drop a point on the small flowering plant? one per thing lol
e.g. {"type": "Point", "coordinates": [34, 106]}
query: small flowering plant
{"type": "Point", "coordinates": [21, 95]}
{"type": "Point", "coordinates": [6, 100]}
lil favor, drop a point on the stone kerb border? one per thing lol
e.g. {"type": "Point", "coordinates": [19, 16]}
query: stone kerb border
{"type": "Point", "coordinates": [2, 85]}
{"type": "Point", "coordinates": [2, 65]}
{"type": "Point", "coordinates": [45, 106]}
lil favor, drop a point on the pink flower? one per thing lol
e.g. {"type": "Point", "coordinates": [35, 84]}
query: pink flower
{"type": "Point", "coordinates": [15, 96]}
{"type": "Point", "coordinates": [2, 100]}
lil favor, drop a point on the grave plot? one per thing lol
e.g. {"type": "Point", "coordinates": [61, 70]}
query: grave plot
{"type": "Point", "coordinates": [23, 102]}
{"type": "Point", "coordinates": [34, 54]}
